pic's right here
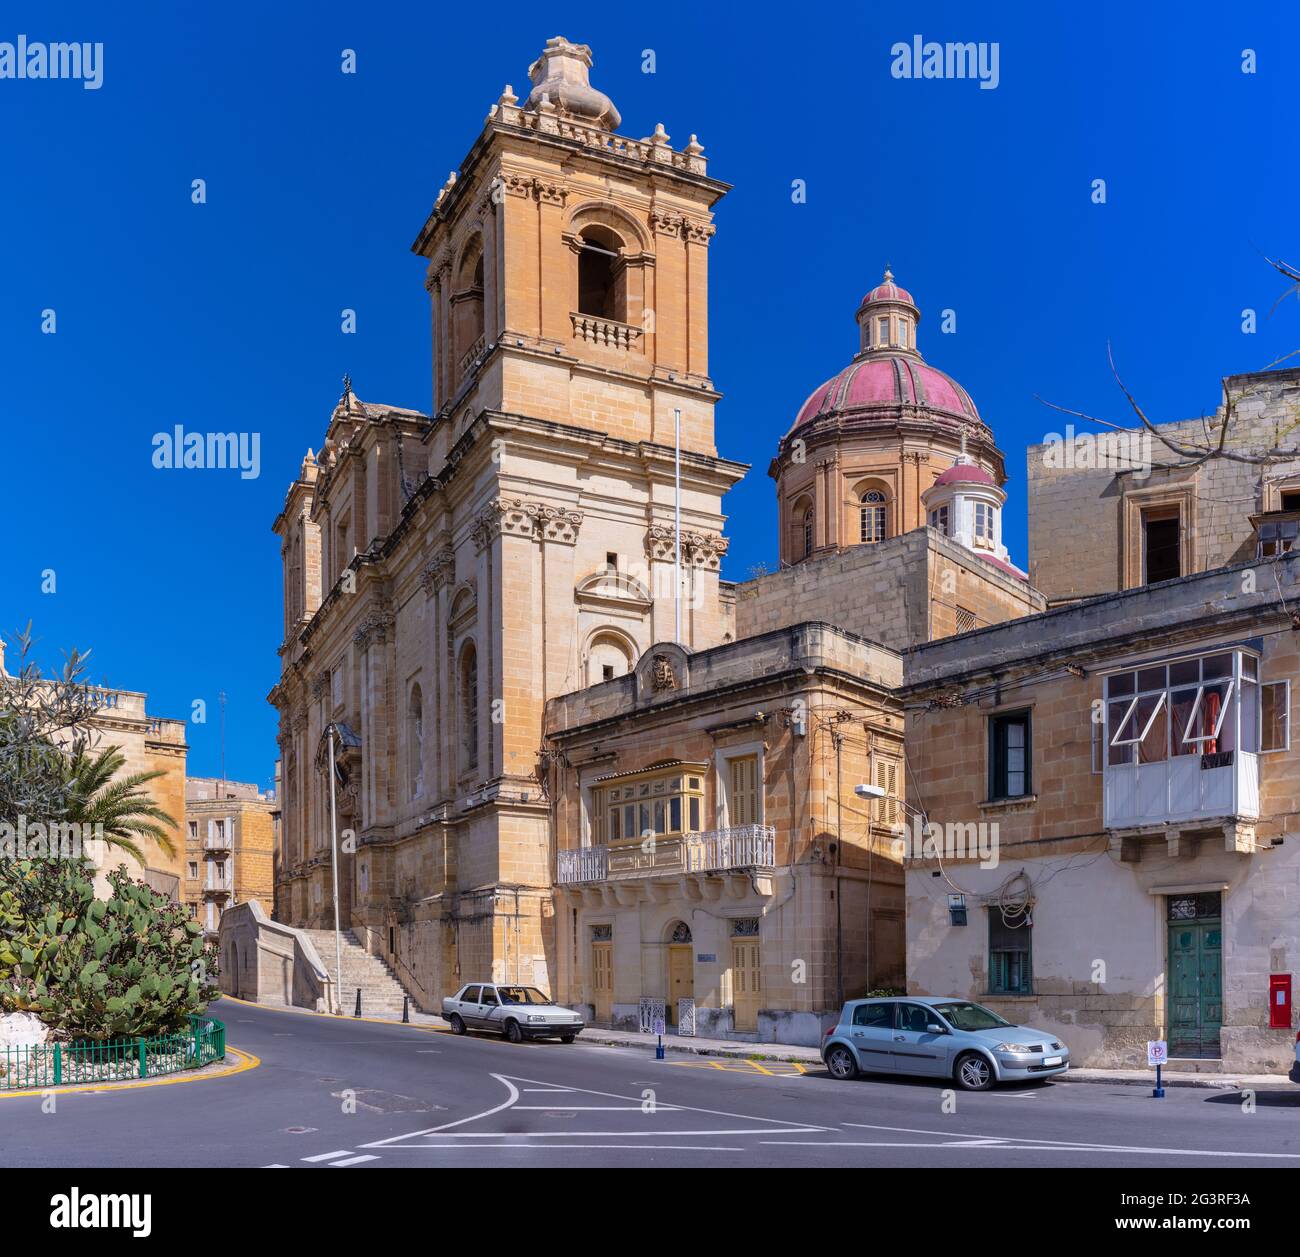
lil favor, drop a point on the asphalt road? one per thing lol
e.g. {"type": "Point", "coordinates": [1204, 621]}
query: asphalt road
{"type": "Point", "coordinates": [342, 1094]}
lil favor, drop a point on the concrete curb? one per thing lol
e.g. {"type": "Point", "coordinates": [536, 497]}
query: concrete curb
{"type": "Point", "coordinates": [1125, 1078]}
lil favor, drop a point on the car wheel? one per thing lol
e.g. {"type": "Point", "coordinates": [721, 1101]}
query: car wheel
{"type": "Point", "coordinates": [974, 1073]}
{"type": "Point", "coordinates": [513, 1033]}
{"type": "Point", "coordinates": [458, 1025]}
{"type": "Point", "coordinates": [567, 1038]}
{"type": "Point", "coordinates": [842, 1063]}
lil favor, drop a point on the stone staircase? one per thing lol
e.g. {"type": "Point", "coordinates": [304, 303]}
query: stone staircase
{"type": "Point", "coordinates": [381, 993]}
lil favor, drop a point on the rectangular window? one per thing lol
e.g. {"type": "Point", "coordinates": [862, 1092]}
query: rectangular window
{"type": "Point", "coordinates": [1009, 756]}
{"type": "Point", "coordinates": [886, 775]}
{"type": "Point", "coordinates": [1276, 537]}
{"type": "Point", "coordinates": [1010, 966]}
{"type": "Point", "coordinates": [983, 524]}
{"type": "Point", "coordinates": [965, 619]}
{"type": "Point", "coordinates": [939, 519]}
{"type": "Point", "coordinates": [1275, 715]}
{"type": "Point", "coordinates": [194, 829]}
{"type": "Point", "coordinates": [742, 792]}
{"type": "Point", "coordinates": [1160, 546]}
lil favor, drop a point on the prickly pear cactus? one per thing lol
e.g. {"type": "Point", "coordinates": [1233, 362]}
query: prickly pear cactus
{"type": "Point", "coordinates": [132, 964]}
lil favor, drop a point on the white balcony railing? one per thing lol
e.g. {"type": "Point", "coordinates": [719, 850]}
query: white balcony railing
{"type": "Point", "coordinates": [714, 851]}
{"type": "Point", "coordinates": [740, 847]}
{"type": "Point", "coordinates": [1182, 788]}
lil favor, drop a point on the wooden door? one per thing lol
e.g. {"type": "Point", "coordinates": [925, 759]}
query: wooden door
{"type": "Point", "coordinates": [681, 977]}
{"type": "Point", "coordinates": [602, 980]}
{"type": "Point", "coordinates": [746, 983]}
{"type": "Point", "coordinates": [1195, 988]}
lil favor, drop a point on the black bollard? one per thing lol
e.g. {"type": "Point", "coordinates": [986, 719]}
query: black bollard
{"type": "Point", "coordinates": [358, 1012]}
{"type": "Point", "coordinates": [406, 1008]}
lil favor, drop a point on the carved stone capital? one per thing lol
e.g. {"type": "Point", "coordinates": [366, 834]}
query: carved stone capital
{"type": "Point", "coordinates": [320, 685]}
{"type": "Point", "coordinates": [697, 231]}
{"type": "Point", "coordinates": [663, 224]}
{"type": "Point", "coordinates": [699, 549]}
{"type": "Point", "coordinates": [373, 630]}
{"type": "Point", "coordinates": [514, 517]}
{"type": "Point", "coordinates": [440, 570]}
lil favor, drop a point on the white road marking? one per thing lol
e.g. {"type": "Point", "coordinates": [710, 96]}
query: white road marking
{"type": "Point", "coordinates": [597, 1108]}
{"type": "Point", "coordinates": [433, 1130]}
{"type": "Point", "coordinates": [275, 1165]}
{"type": "Point", "coordinates": [775, 1125]}
{"type": "Point", "coordinates": [329, 1156]}
{"type": "Point", "coordinates": [1020, 1143]}
{"type": "Point", "coordinates": [336, 1165]}
{"type": "Point", "coordinates": [621, 1147]}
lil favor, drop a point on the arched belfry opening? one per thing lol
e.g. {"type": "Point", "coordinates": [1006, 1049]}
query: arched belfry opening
{"type": "Point", "coordinates": [602, 274]}
{"type": "Point", "coordinates": [467, 307]}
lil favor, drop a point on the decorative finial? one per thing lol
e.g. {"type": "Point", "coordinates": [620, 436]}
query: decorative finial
{"type": "Point", "coordinates": [889, 275]}
{"type": "Point", "coordinates": [347, 387]}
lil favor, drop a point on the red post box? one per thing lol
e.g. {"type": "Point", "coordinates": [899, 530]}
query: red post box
{"type": "Point", "coordinates": [1279, 1001]}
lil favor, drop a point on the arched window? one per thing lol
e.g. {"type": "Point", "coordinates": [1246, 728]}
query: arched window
{"type": "Point", "coordinates": [467, 309]}
{"type": "Point", "coordinates": [807, 532]}
{"type": "Point", "coordinates": [607, 658]}
{"type": "Point", "coordinates": [602, 286]}
{"type": "Point", "coordinates": [415, 742]}
{"type": "Point", "coordinates": [469, 706]}
{"type": "Point", "coordinates": [872, 516]}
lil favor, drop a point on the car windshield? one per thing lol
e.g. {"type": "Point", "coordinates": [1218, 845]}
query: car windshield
{"type": "Point", "coordinates": [967, 1016]}
{"type": "Point", "coordinates": [521, 995]}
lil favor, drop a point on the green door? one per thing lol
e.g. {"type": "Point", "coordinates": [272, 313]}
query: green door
{"type": "Point", "coordinates": [1195, 975]}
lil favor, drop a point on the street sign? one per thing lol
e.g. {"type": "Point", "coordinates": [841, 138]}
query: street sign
{"type": "Point", "coordinates": [659, 1026]}
{"type": "Point", "coordinates": [1157, 1052]}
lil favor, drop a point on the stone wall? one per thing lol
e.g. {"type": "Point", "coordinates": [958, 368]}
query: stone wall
{"type": "Point", "coordinates": [899, 592]}
{"type": "Point", "coordinates": [1083, 520]}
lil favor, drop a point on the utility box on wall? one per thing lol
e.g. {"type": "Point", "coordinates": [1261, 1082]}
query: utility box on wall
{"type": "Point", "coordinates": [1279, 1001]}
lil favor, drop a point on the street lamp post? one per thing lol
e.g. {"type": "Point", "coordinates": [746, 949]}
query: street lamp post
{"type": "Point", "coordinates": [866, 790]}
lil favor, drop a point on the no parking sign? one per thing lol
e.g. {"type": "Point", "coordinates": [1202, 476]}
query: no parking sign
{"type": "Point", "coordinates": [1157, 1052]}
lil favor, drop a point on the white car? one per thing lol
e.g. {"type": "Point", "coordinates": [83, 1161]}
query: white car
{"type": "Point", "coordinates": [518, 1012]}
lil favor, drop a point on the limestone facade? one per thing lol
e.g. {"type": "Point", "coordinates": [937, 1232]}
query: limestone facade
{"type": "Point", "coordinates": [1106, 842]}
{"type": "Point", "coordinates": [230, 847]}
{"type": "Point", "coordinates": [148, 744]}
{"type": "Point", "coordinates": [447, 573]}
{"type": "Point", "coordinates": [710, 845]}
{"type": "Point", "coordinates": [1089, 523]}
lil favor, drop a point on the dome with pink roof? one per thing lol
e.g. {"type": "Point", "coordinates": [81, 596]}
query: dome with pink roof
{"type": "Point", "coordinates": [874, 382]}
{"type": "Point", "coordinates": [887, 290]}
{"type": "Point", "coordinates": [888, 375]}
{"type": "Point", "coordinates": [964, 472]}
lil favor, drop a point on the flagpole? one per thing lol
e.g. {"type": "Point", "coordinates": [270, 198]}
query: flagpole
{"type": "Point", "coordinates": [334, 871]}
{"type": "Point", "coordinates": [677, 529]}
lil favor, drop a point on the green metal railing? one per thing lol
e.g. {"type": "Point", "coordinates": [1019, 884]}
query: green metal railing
{"type": "Point", "coordinates": [113, 1060]}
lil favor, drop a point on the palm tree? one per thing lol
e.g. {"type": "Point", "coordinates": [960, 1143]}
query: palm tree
{"type": "Point", "coordinates": [126, 812]}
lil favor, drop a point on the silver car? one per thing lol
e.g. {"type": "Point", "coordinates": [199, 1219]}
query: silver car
{"type": "Point", "coordinates": [939, 1038]}
{"type": "Point", "coordinates": [518, 1012]}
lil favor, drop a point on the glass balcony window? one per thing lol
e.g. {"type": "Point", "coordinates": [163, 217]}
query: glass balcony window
{"type": "Point", "coordinates": [1181, 739]}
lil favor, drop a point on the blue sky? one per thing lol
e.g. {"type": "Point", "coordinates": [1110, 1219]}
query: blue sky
{"type": "Point", "coordinates": [225, 316]}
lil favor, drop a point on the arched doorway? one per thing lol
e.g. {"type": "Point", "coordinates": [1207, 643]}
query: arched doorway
{"type": "Point", "coordinates": [681, 968]}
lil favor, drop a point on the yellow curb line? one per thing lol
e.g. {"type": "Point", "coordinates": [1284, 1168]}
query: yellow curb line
{"type": "Point", "coordinates": [342, 1019]}
{"type": "Point", "coordinates": [247, 1061]}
